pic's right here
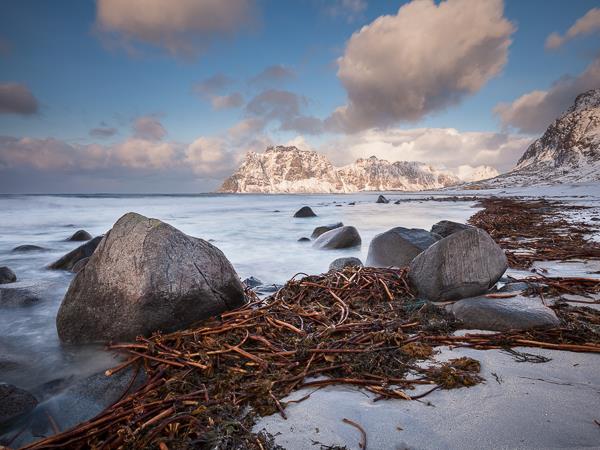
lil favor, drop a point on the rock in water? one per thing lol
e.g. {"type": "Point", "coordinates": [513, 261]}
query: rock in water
{"type": "Point", "coordinates": [252, 282]}
{"type": "Point", "coordinates": [464, 264]}
{"type": "Point", "coordinates": [501, 314]}
{"type": "Point", "coordinates": [146, 276]}
{"type": "Point", "coordinates": [341, 263]}
{"type": "Point", "coordinates": [68, 261]}
{"type": "Point", "coordinates": [14, 402]}
{"type": "Point", "coordinates": [28, 248]}
{"type": "Point", "coordinates": [7, 275]}
{"type": "Point", "coordinates": [325, 228]}
{"type": "Point", "coordinates": [305, 211]}
{"type": "Point", "coordinates": [398, 247]}
{"type": "Point", "coordinates": [382, 199]}
{"type": "Point", "coordinates": [80, 235]}
{"type": "Point", "coordinates": [303, 239]}
{"type": "Point", "coordinates": [343, 237]}
{"type": "Point", "coordinates": [18, 296]}
{"type": "Point", "coordinates": [446, 227]}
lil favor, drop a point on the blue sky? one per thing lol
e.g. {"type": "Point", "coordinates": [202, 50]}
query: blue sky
{"type": "Point", "coordinates": [83, 77]}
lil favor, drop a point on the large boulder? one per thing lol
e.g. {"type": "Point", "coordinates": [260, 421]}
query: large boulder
{"type": "Point", "coordinates": [80, 235]}
{"type": "Point", "coordinates": [399, 246]}
{"type": "Point", "coordinates": [501, 314]}
{"type": "Point", "coordinates": [343, 237]}
{"type": "Point", "coordinates": [68, 261]}
{"type": "Point", "coordinates": [446, 227]}
{"type": "Point", "coordinates": [464, 264]}
{"type": "Point", "coordinates": [305, 211]}
{"type": "Point", "coordinates": [7, 275]}
{"type": "Point", "coordinates": [146, 276]}
{"type": "Point", "coordinates": [14, 402]}
{"type": "Point", "coordinates": [324, 229]}
{"type": "Point", "coordinates": [382, 199]}
{"type": "Point", "coordinates": [79, 265]}
{"type": "Point", "coordinates": [340, 264]}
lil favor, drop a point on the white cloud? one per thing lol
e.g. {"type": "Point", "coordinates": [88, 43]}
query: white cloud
{"type": "Point", "coordinates": [426, 57]}
{"type": "Point", "coordinates": [234, 100]}
{"type": "Point", "coordinates": [587, 24]}
{"type": "Point", "coordinates": [149, 128]}
{"type": "Point", "coordinates": [138, 153]}
{"type": "Point", "coordinates": [182, 27]}
{"type": "Point", "coordinates": [534, 111]}
{"type": "Point", "coordinates": [211, 156]}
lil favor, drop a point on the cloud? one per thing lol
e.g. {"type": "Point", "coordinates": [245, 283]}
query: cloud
{"type": "Point", "coordinates": [234, 100]}
{"type": "Point", "coordinates": [139, 153]}
{"type": "Point", "coordinates": [534, 111]}
{"type": "Point", "coordinates": [182, 27]}
{"type": "Point", "coordinates": [212, 84]}
{"type": "Point", "coordinates": [247, 127]}
{"type": "Point", "coordinates": [443, 147]}
{"type": "Point", "coordinates": [273, 74]}
{"type": "Point", "coordinates": [149, 128]}
{"type": "Point", "coordinates": [211, 156]}
{"type": "Point", "coordinates": [16, 98]}
{"type": "Point", "coordinates": [588, 24]}
{"type": "Point", "coordinates": [347, 9]}
{"type": "Point", "coordinates": [426, 57]}
{"type": "Point", "coordinates": [103, 132]}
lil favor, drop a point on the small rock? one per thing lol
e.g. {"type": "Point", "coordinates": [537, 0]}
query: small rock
{"type": "Point", "coordinates": [343, 237]}
{"type": "Point", "coordinates": [501, 314]}
{"type": "Point", "coordinates": [399, 246]}
{"type": "Point", "coordinates": [68, 261]}
{"type": "Point", "coordinates": [382, 199]}
{"type": "Point", "coordinates": [351, 203]}
{"type": "Point", "coordinates": [16, 297]}
{"type": "Point", "coordinates": [325, 228]}
{"type": "Point", "coordinates": [14, 402]}
{"type": "Point", "coordinates": [28, 248]}
{"type": "Point", "coordinates": [340, 264]}
{"type": "Point", "coordinates": [446, 227]}
{"type": "Point", "coordinates": [276, 210]}
{"type": "Point", "coordinates": [464, 264]}
{"type": "Point", "coordinates": [305, 211]}
{"type": "Point", "coordinates": [7, 275]}
{"type": "Point", "coordinates": [397, 202]}
{"type": "Point", "coordinates": [595, 219]}
{"type": "Point", "coordinates": [252, 282]}
{"type": "Point", "coordinates": [80, 235]}
{"type": "Point", "coordinates": [79, 265]}
{"type": "Point", "coordinates": [304, 239]}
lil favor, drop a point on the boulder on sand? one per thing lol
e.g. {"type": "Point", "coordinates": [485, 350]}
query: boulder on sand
{"type": "Point", "coordinates": [341, 263]}
{"type": "Point", "coordinates": [343, 237]}
{"type": "Point", "coordinates": [68, 261]}
{"type": "Point", "coordinates": [14, 402]}
{"type": "Point", "coordinates": [446, 227]}
{"type": "Point", "coordinates": [464, 264]}
{"type": "Point", "coordinates": [501, 314]}
{"type": "Point", "coordinates": [382, 199]}
{"type": "Point", "coordinates": [399, 246]}
{"type": "Point", "coordinates": [7, 275]}
{"type": "Point", "coordinates": [80, 235]}
{"type": "Point", "coordinates": [146, 276]}
{"type": "Point", "coordinates": [324, 229]}
{"type": "Point", "coordinates": [305, 211]}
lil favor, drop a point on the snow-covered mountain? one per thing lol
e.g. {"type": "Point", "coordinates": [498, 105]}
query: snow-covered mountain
{"type": "Point", "coordinates": [568, 152]}
{"type": "Point", "coordinates": [289, 169]}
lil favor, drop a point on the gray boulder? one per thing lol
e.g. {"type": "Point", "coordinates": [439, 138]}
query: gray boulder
{"type": "Point", "coordinates": [79, 265]}
{"type": "Point", "coordinates": [80, 235]}
{"type": "Point", "coordinates": [28, 248]}
{"type": "Point", "coordinates": [305, 211]}
{"type": "Point", "coordinates": [252, 282]}
{"type": "Point", "coordinates": [501, 314]}
{"type": "Point", "coordinates": [146, 276]}
{"type": "Point", "coordinates": [304, 239]}
{"type": "Point", "coordinates": [70, 259]}
{"type": "Point", "coordinates": [324, 229]}
{"type": "Point", "coordinates": [341, 263]}
{"type": "Point", "coordinates": [399, 246]}
{"type": "Point", "coordinates": [464, 264]}
{"type": "Point", "coordinates": [446, 227]}
{"type": "Point", "coordinates": [14, 402]}
{"type": "Point", "coordinates": [18, 296]}
{"type": "Point", "coordinates": [343, 237]}
{"type": "Point", "coordinates": [382, 199]}
{"type": "Point", "coordinates": [7, 275]}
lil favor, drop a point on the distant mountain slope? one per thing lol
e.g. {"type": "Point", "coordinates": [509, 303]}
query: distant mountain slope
{"type": "Point", "coordinates": [289, 169]}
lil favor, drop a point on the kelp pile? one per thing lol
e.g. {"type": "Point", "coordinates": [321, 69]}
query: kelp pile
{"type": "Point", "coordinates": [362, 327]}
{"type": "Point", "coordinates": [535, 230]}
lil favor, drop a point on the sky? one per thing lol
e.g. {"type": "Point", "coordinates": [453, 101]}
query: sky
{"type": "Point", "coordinates": [167, 96]}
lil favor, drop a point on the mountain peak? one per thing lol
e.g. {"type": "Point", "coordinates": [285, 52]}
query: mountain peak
{"type": "Point", "coordinates": [588, 99]}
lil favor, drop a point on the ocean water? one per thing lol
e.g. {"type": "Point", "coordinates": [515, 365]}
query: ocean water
{"type": "Point", "coordinates": [256, 232]}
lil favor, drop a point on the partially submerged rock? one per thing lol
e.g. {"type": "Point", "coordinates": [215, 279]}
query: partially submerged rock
{"type": "Point", "coordinates": [68, 261]}
{"type": "Point", "coordinates": [79, 265]}
{"type": "Point", "coordinates": [501, 314]}
{"type": "Point", "coordinates": [28, 248]}
{"type": "Point", "coordinates": [146, 276]}
{"type": "Point", "coordinates": [7, 275]}
{"type": "Point", "coordinates": [304, 239]}
{"type": "Point", "coordinates": [305, 211]}
{"type": "Point", "coordinates": [18, 296]}
{"type": "Point", "coordinates": [324, 229]}
{"type": "Point", "coordinates": [446, 227]}
{"type": "Point", "coordinates": [341, 263]}
{"type": "Point", "coordinates": [14, 402]}
{"type": "Point", "coordinates": [382, 199]}
{"type": "Point", "coordinates": [343, 237]}
{"type": "Point", "coordinates": [464, 264]}
{"type": "Point", "coordinates": [80, 235]}
{"type": "Point", "coordinates": [252, 282]}
{"type": "Point", "coordinates": [399, 246]}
